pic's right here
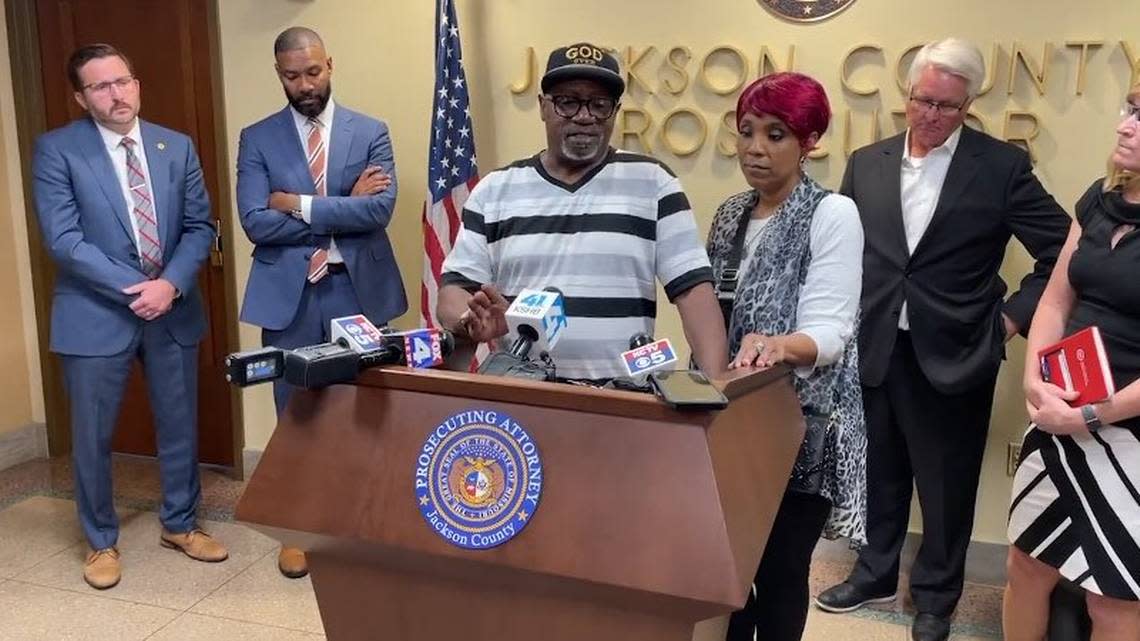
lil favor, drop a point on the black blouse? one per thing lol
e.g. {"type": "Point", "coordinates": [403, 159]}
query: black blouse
{"type": "Point", "coordinates": [1107, 282]}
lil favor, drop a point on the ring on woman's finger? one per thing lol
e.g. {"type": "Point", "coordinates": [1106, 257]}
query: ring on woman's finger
{"type": "Point", "coordinates": [759, 345]}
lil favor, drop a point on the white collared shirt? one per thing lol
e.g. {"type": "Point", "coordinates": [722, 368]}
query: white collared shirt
{"type": "Point", "coordinates": [113, 142]}
{"type": "Point", "coordinates": [301, 121]}
{"type": "Point", "coordinates": [921, 183]}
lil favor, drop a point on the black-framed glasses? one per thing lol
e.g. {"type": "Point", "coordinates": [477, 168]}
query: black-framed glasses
{"type": "Point", "coordinates": [104, 87]}
{"type": "Point", "coordinates": [941, 108]}
{"type": "Point", "coordinates": [1129, 110]}
{"type": "Point", "coordinates": [599, 107]}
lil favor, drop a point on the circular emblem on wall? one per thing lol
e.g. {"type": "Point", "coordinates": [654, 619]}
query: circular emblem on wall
{"type": "Point", "coordinates": [806, 10]}
{"type": "Point", "coordinates": [478, 479]}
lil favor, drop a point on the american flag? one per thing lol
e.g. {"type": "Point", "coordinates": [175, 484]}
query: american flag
{"type": "Point", "coordinates": [452, 169]}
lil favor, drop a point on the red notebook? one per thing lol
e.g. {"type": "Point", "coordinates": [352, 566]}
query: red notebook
{"type": "Point", "coordinates": [1079, 362]}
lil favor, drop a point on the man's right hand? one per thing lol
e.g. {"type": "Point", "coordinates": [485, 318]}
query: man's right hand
{"type": "Point", "coordinates": [372, 181]}
{"type": "Point", "coordinates": [486, 315]}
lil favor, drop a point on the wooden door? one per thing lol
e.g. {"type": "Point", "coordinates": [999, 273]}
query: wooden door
{"type": "Point", "coordinates": [169, 44]}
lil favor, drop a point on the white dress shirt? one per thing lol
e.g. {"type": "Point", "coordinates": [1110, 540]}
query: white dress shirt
{"type": "Point", "coordinates": [302, 123]}
{"type": "Point", "coordinates": [113, 142]}
{"type": "Point", "coordinates": [829, 297]}
{"type": "Point", "coordinates": [921, 181]}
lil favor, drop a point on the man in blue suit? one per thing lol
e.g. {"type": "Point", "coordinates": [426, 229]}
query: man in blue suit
{"type": "Point", "coordinates": [316, 189]}
{"type": "Point", "coordinates": [125, 215]}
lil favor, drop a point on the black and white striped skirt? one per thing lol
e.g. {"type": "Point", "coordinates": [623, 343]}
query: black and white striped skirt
{"type": "Point", "coordinates": [1076, 507]}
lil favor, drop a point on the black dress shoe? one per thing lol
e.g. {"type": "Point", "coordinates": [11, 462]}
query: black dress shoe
{"type": "Point", "coordinates": [930, 627]}
{"type": "Point", "coordinates": [846, 597]}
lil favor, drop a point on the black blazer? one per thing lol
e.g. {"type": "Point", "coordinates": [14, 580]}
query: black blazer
{"type": "Point", "coordinates": [951, 283]}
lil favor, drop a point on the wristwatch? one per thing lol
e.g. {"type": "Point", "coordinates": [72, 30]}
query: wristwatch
{"type": "Point", "coordinates": [1092, 421]}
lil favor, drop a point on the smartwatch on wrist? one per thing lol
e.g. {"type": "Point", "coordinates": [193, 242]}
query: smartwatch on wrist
{"type": "Point", "coordinates": [1092, 421]}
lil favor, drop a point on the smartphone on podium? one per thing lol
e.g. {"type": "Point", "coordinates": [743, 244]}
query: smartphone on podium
{"type": "Point", "coordinates": [688, 389]}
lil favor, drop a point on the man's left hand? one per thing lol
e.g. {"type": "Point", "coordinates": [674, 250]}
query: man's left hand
{"type": "Point", "coordinates": [284, 202]}
{"type": "Point", "coordinates": [1011, 327]}
{"type": "Point", "coordinates": [155, 297]}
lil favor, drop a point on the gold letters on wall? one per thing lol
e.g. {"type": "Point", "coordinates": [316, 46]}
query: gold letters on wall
{"type": "Point", "coordinates": [660, 79]}
{"type": "Point", "coordinates": [1133, 63]}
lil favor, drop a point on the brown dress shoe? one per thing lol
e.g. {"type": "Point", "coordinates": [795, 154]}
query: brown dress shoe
{"type": "Point", "coordinates": [291, 562]}
{"type": "Point", "coordinates": [195, 544]}
{"type": "Point", "coordinates": [101, 570]}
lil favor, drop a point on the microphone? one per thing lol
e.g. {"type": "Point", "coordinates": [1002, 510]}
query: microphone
{"type": "Point", "coordinates": [321, 365]}
{"type": "Point", "coordinates": [640, 339]}
{"type": "Point", "coordinates": [357, 345]}
{"type": "Point", "coordinates": [355, 332]}
{"type": "Point", "coordinates": [418, 348]}
{"type": "Point", "coordinates": [255, 366]}
{"type": "Point", "coordinates": [536, 318]}
{"type": "Point", "coordinates": [646, 355]}
{"type": "Point", "coordinates": [327, 364]}
{"type": "Point", "coordinates": [426, 347]}
{"type": "Point", "coordinates": [309, 367]}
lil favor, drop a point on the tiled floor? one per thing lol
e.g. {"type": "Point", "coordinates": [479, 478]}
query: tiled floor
{"type": "Point", "coordinates": [166, 596]}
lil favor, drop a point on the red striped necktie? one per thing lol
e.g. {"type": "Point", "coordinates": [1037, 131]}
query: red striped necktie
{"type": "Point", "coordinates": [142, 210]}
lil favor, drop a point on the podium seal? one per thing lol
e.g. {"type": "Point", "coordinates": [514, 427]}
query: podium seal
{"type": "Point", "coordinates": [478, 479]}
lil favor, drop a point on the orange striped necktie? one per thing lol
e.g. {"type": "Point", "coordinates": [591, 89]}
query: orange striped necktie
{"type": "Point", "coordinates": [317, 155]}
{"type": "Point", "coordinates": [319, 261]}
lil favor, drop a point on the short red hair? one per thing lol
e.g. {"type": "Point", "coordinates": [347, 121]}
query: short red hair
{"type": "Point", "coordinates": [799, 101]}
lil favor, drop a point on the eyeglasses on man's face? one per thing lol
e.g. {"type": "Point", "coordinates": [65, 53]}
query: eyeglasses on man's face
{"type": "Point", "coordinates": [1129, 110]}
{"type": "Point", "coordinates": [941, 108]}
{"type": "Point", "coordinates": [568, 107]}
{"type": "Point", "coordinates": [104, 87]}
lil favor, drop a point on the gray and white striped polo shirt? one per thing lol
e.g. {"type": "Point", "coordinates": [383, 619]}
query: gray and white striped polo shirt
{"type": "Point", "coordinates": [604, 242]}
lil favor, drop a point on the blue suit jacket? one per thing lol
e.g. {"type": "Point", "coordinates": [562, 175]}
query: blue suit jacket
{"type": "Point", "coordinates": [270, 158]}
{"type": "Point", "coordinates": [86, 228]}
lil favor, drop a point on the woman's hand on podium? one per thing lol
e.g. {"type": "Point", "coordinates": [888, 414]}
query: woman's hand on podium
{"type": "Point", "coordinates": [757, 350]}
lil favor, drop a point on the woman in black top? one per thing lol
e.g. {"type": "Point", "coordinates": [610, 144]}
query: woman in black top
{"type": "Point", "coordinates": [1075, 511]}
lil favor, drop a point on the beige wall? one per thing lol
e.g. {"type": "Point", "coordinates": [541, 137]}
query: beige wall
{"type": "Point", "coordinates": [21, 395]}
{"type": "Point", "coordinates": [382, 53]}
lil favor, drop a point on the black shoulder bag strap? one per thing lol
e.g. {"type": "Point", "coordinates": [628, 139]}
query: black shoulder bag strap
{"type": "Point", "coordinates": [730, 274]}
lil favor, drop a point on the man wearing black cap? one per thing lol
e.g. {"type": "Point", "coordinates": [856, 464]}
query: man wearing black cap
{"type": "Point", "coordinates": [600, 224]}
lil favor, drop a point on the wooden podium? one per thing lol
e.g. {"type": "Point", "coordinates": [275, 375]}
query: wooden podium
{"type": "Point", "coordinates": [650, 520]}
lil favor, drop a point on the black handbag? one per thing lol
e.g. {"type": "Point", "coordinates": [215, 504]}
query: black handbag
{"type": "Point", "coordinates": [811, 461]}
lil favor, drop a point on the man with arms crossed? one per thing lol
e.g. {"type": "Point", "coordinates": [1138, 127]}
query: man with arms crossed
{"type": "Point", "coordinates": [316, 191]}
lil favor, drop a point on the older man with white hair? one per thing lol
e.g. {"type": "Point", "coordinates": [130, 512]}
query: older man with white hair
{"type": "Point", "coordinates": [939, 204]}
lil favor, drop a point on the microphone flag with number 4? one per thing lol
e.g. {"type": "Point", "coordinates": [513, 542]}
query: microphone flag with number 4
{"type": "Point", "coordinates": [423, 348]}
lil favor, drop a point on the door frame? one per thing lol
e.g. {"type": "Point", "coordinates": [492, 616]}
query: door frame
{"type": "Point", "coordinates": [24, 52]}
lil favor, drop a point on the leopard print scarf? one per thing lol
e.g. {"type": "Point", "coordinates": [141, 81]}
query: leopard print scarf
{"type": "Point", "coordinates": [766, 302]}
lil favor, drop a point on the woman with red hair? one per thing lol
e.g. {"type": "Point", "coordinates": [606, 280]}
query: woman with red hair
{"type": "Point", "coordinates": [787, 256]}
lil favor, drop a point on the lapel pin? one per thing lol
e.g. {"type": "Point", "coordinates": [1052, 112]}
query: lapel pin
{"type": "Point", "coordinates": [161, 146]}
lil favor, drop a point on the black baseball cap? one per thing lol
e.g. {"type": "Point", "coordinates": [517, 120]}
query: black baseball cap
{"type": "Point", "coordinates": [586, 62]}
